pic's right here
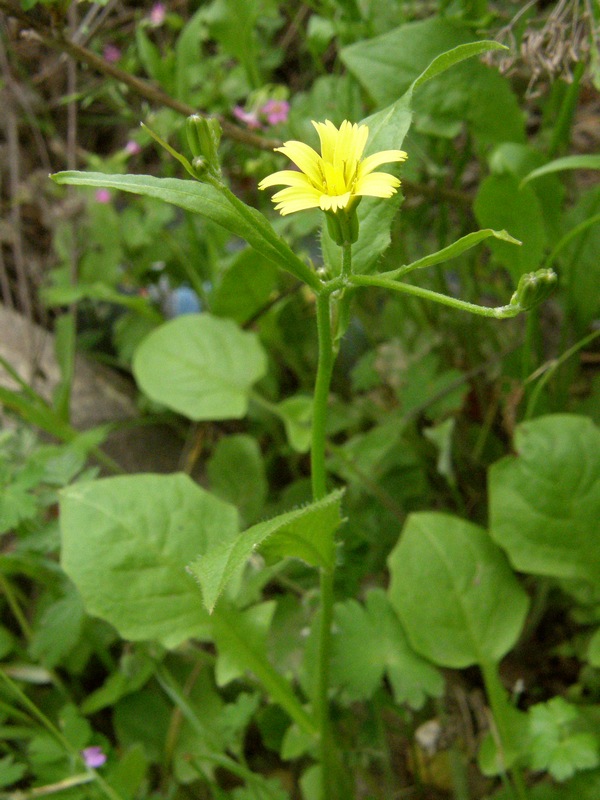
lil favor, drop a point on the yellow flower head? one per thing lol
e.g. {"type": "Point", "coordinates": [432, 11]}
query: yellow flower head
{"type": "Point", "coordinates": [336, 179]}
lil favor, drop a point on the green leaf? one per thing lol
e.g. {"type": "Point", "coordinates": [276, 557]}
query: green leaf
{"type": "Point", "coordinates": [127, 775]}
{"type": "Point", "coordinates": [251, 625]}
{"type": "Point", "coordinates": [304, 533]}
{"type": "Point", "coordinates": [388, 65]}
{"type": "Point", "coordinates": [74, 727]}
{"type": "Point", "coordinates": [500, 204]}
{"type": "Point", "coordinates": [580, 266]}
{"type": "Point", "coordinates": [241, 639]}
{"type": "Point", "coordinates": [558, 743]}
{"type": "Point", "coordinates": [201, 198]}
{"type": "Point", "coordinates": [360, 669]}
{"type": "Point", "coordinates": [446, 578]}
{"type": "Point", "coordinates": [10, 771]}
{"type": "Point", "coordinates": [237, 474]}
{"type": "Point", "coordinates": [58, 629]}
{"type": "Point", "coordinates": [296, 414]}
{"type": "Point", "coordinates": [64, 295]}
{"type": "Point", "coordinates": [565, 163]}
{"type": "Point", "coordinates": [245, 288]}
{"type": "Point", "coordinates": [403, 60]}
{"type": "Point", "coordinates": [453, 250]}
{"type": "Point", "coordinates": [593, 650]}
{"type": "Point", "coordinates": [545, 500]}
{"type": "Point", "coordinates": [126, 542]}
{"type": "Point", "coordinates": [455, 56]}
{"type": "Point", "coordinates": [134, 670]}
{"type": "Point", "coordinates": [200, 366]}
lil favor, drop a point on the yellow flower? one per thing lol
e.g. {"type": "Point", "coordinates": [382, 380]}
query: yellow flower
{"type": "Point", "coordinates": [336, 179]}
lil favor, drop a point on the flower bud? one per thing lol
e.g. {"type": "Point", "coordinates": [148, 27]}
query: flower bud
{"type": "Point", "coordinates": [533, 288]}
{"type": "Point", "coordinates": [204, 137]}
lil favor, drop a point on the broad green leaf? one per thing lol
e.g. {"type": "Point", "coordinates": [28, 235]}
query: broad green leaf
{"type": "Point", "coordinates": [387, 65]}
{"type": "Point", "coordinates": [565, 163]}
{"type": "Point", "coordinates": [403, 60]}
{"type": "Point", "coordinates": [200, 366]}
{"type": "Point", "coordinates": [519, 160]}
{"type": "Point", "coordinates": [545, 500]}
{"type": "Point", "coordinates": [201, 198]}
{"type": "Point", "coordinates": [246, 287]}
{"type": "Point", "coordinates": [304, 533]}
{"type": "Point", "coordinates": [446, 578]}
{"type": "Point", "coordinates": [360, 669]}
{"type": "Point", "coordinates": [126, 542]}
{"type": "Point", "coordinates": [500, 204]}
{"type": "Point", "coordinates": [236, 472]}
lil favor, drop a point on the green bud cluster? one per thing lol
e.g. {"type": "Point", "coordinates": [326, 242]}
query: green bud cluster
{"type": "Point", "coordinates": [534, 288]}
{"type": "Point", "coordinates": [204, 138]}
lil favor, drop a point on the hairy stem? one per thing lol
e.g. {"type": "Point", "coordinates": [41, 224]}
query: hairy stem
{"type": "Point", "coordinates": [319, 489]}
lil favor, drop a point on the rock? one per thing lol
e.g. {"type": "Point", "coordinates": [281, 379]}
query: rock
{"type": "Point", "coordinates": [99, 395]}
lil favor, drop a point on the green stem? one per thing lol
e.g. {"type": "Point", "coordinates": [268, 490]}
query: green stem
{"type": "Point", "coordinates": [346, 260]}
{"type": "Point", "coordinates": [499, 312]}
{"type": "Point", "coordinates": [13, 603]}
{"type": "Point", "coordinates": [319, 489]}
{"type": "Point", "coordinates": [322, 383]}
{"type": "Point", "coordinates": [498, 701]}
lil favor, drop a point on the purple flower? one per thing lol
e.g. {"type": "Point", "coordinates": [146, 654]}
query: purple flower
{"type": "Point", "coordinates": [111, 53]}
{"type": "Point", "coordinates": [247, 117]}
{"type": "Point", "coordinates": [158, 12]}
{"type": "Point", "coordinates": [103, 196]}
{"type": "Point", "coordinates": [93, 756]}
{"type": "Point", "coordinates": [132, 148]}
{"type": "Point", "coordinates": [275, 111]}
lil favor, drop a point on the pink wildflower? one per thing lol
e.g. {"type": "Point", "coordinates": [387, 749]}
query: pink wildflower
{"type": "Point", "coordinates": [275, 111]}
{"type": "Point", "coordinates": [93, 756]}
{"type": "Point", "coordinates": [158, 12]}
{"type": "Point", "coordinates": [111, 53]}
{"type": "Point", "coordinates": [247, 117]}
{"type": "Point", "coordinates": [103, 196]}
{"type": "Point", "coordinates": [132, 148]}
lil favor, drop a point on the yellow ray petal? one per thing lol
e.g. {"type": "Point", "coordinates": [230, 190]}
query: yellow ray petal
{"type": "Point", "coordinates": [377, 184]}
{"type": "Point", "coordinates": [377, 159]}
{"type": "Point", "coordinates": [305, 158]}
{"type": "Point", "coordinates": [286, 177]}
